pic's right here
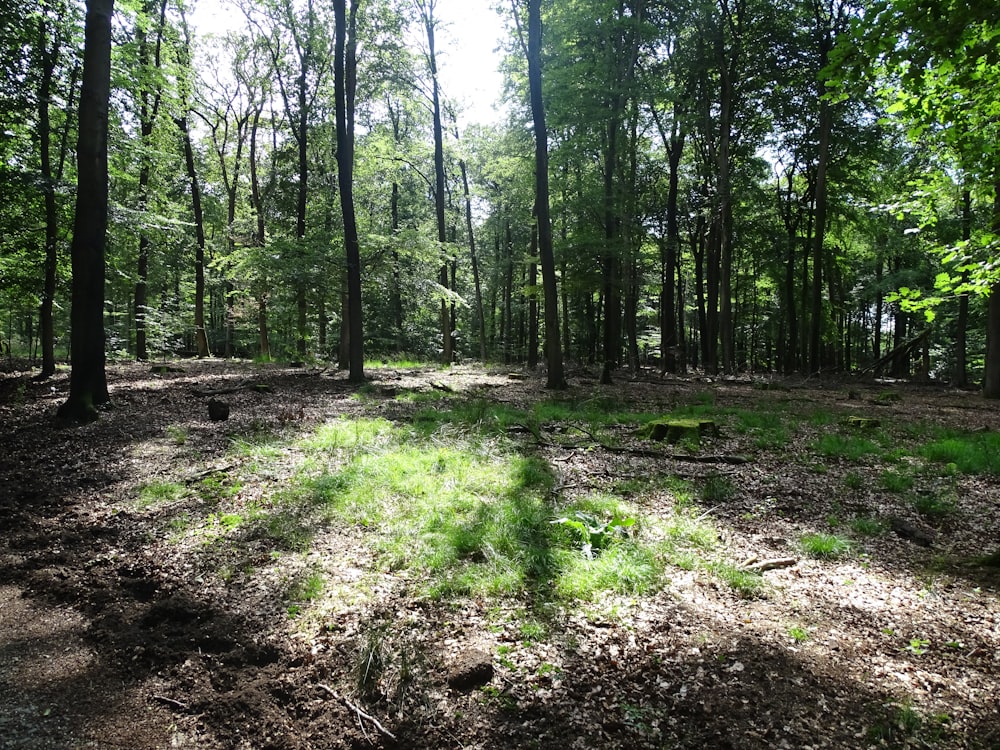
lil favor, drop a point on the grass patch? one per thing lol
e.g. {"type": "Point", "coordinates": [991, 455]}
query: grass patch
{"type": "Point", "coordinates": [847, 447]}
{"type": "Point", "coordinates": [866, 526]}
{"type": "Point", "coordinates": [965, 452]}
{"type": "Point", "coordinates": [747, 583]}
{"type": "Point", "coordinates": [718, 489]}
{"type": "Point", "coordinates": [933, 506]}
{"type": "Point", "coordinates": [159, 493]}
{"type": "Point", "coordinates": [896, 482]}
{"type": "Point", "coordinates": [824, 546]}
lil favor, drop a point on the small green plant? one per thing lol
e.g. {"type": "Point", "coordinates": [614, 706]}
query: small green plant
{"type": "Point", "coordinates": [895, 482]}
{"type": "Point", "coordinates": [848, 447]}
{"type": "Point", "coordinates": [798, 634]}
{"type": "Point", "coordinates": [159, 493]}
{"type": "Point", "coordinates": [532, 631]}
{"type": "Point", "coordinates": [718, 489]}
{"type": "Point", "coordinates": [824, 546]}
{"type": "Point", "coordinates": [746, 583]}
{"type": "Point", "coordinates": [917, 646]}
{"type": "Point", "coordinates": [866, 526]}
{"type": "Point", "coordinates": [933, 506]}
{"type": "Point", "coordinates": [594, 535]}
{"type": "Point", "coordinates": [853, 481]}
{"type": "Point", "coordinates": [177, 433]}
{"type": "Point", "coordinates": [307, 588]}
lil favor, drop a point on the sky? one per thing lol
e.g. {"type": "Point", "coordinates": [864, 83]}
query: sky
{"type": "Point", "coordinates": [467, 38]}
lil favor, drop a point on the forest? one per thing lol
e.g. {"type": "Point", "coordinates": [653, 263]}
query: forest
{"type": "Point", "coordinates": [747, 186]}
{"type": "Point", "coordinates": [658, 411]}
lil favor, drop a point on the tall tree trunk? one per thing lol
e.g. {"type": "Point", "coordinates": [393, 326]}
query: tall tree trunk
{"type": "Point", "coordinates": [259, 239]}
{"type": "Point", "coordinates": [430, 23]}
{"type": "Point", "coordinates": [532, 285]}
{"type": "Point", "coordinates": [991, 378]}
{"type": "Point", "coordinates": [88, 386]}
{"type": "Point", "coordinates": [961, 377]}
{"type": "Point", "coordinates": [345, 85]}
{"type": "Point", "coordinates": [670, 246]}
{"type": "Point", "coordinates": [553, 347]}
{"type": "Point", "coordinates": [201, 339]}
{"type": "Point", "coordinates": [480, 318]}
{"type": "Point", "coordinates": [49, 58]}
{"type": "Point", "coordinates": [819, 238]}
{"type": "Point", "coordinates": [149, 105]}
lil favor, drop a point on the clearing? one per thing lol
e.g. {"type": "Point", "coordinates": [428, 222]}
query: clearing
{"type": "Point", "coordinates": [458, 558]}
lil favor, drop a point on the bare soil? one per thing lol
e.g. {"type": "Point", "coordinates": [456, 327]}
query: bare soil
{"type": "Point", "coordinates": [113, 634]}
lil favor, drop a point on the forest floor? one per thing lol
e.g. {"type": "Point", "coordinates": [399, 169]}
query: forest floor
{"type": "Point", "coordinates": [162, 587]}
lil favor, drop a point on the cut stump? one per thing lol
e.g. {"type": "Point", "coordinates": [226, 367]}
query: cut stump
{"type": "Point", "coordinates": [675, 430]}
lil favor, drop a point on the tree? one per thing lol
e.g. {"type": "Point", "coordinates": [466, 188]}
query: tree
{"type": "Point", "coordinates": [553, 351]}
{"type": "Point", "coordinates": [345, 84]}
{"type": "Point", "coordinates": [150, 96]}
{"type": "Point", "coordinates": [88, 380]}
{"type": "Point", "coordinates": [52, 36]}
{"type": "Point", "coordinates": [941, 57]}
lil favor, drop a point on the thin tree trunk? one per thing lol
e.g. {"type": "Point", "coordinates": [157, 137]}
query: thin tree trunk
{"type": "Point", "coordinates": [962, 324]}
{"type": "Point", "coordinates": [480, 318]}
{"type": "Point", "coordinates": [201, 339]}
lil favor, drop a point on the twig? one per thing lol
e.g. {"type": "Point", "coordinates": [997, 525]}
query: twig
{"type": "Point", "coordinates": [171, 702]}
{"type": "Point", "coordinates": [772, 564]}
{"type": "Point", "coordinates": [362, 714]}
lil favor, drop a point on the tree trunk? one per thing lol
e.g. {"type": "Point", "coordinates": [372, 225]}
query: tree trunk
{"type": "Point", "coordinates": [345, 85]}
{"type": "Point", "coordinates": [480, 318]}
{"type": "Point", "coordinates": [259, 239]}
{"type": "Point", "coordinates": [201, 339]}
{"type": "Point", "coordinates": [88, 380]}
{"type": "Point", "coordinates": [49, 58]}
{"type": "Point", "coordinates": [991, 378]}
{"type": "Point", "coordinates": [961, 378]}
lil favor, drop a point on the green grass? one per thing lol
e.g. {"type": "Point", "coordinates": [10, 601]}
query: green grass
{"type": "Point", "coordinates": [767, 428]}
{"type": "Point", "coordinates": [824, 546]}
{"type": "Point", "coordinates": [933, 506]}
{"type": "Point", "coordinates": [966, 452]}
{"type": "Point", "coordinates": [866, 526]}
{"type": "Point", "coordinates": [177, 433]}
{"type": "Point", "coordinates": [748, 584]}
{"type": "Point", "coordinates": [159, 493]}
{"type": "Point", "coordinates": [895, 482]}
{"type": "Point", "coordinates": [847, 447]}
{"type": "Point", "coordinates": [853, 481]}
{"type": "Point", "coordinates": [457, 509]}
{"type": "Point", "coordinates": [718, 489]}
{"type": "Point", "coordinates": [798, 634]}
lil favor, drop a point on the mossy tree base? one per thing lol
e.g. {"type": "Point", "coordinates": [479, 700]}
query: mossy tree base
{"type": "Point", "coordinates": [677, 430]}
{"type": "Point", "coordinates": [862, 423]}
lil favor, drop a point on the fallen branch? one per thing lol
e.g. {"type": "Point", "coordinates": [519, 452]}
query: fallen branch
{"type": "Point", "coordinates": [643, 452]}
{"type": "Point", "coordinates": [204, 474]}
{"type": "Point", "coordinates": [361, 714]}
{"type": "Point", "coordinates": [772, 564]}
{"type": "Point", "coordinates": [171, 702]}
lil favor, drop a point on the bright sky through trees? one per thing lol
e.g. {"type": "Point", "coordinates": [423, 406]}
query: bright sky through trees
{"type": "Point", "coordinates": [468, 60]}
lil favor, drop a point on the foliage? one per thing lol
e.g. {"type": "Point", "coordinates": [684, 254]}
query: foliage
{"type": "Point", "coordinates": [824, 546]}
{"type": "Point", "coordinates": [594, 535]}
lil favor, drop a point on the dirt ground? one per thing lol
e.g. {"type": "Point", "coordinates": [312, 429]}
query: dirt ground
{"type": "Point", "coordinates": [114, 635]}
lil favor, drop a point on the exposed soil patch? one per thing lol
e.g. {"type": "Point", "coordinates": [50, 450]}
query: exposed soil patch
{"type": "Point", "coordinates": [115, 632]}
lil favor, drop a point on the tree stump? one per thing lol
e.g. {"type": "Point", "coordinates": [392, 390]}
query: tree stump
{"type": "Point", "coordinates": [218, 411]}
{"type": "Point", "coordinates": [862, 423]}
{"type": "Point", "coordinates": [674, 431]}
